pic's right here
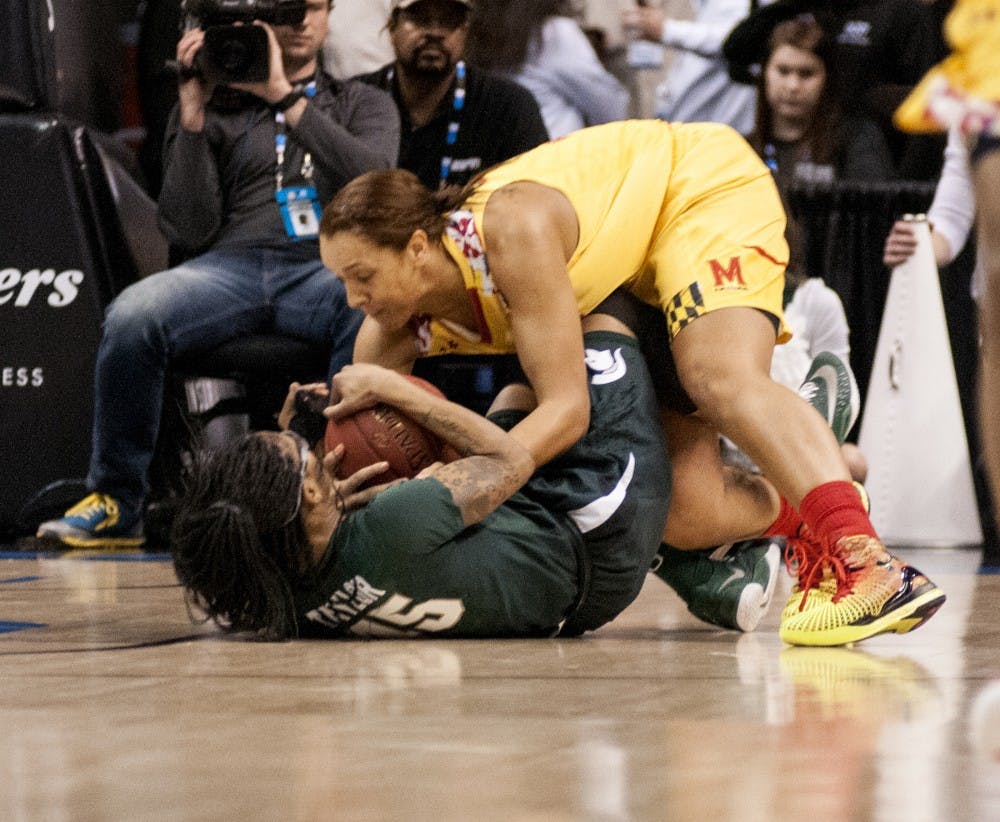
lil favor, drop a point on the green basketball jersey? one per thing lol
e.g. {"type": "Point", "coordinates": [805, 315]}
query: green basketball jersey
{"type": "Point", "coordinates": [396, 568]}
{"type": "Point", "coordinates": [581, 532]}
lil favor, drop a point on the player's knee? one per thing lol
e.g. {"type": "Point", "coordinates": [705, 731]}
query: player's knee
{"type": "Point", "coordinates": [693, 521]}
{"type": "Point", "coordinates": [738, 505]}
{"type": "Point", "coordinates": [718, 389]}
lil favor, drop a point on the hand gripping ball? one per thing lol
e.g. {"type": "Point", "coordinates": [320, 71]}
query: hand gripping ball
{"type": "Point", "coordinates": [384, 433]}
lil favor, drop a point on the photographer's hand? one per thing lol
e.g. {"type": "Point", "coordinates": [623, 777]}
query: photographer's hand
{"type": "Point", "coordinates": [193, 91]}
{"type": "Point", "coordinates": [277, 86]}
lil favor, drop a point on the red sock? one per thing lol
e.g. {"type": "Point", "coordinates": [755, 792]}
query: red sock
{"type": "Point", "coordinates": [787, 523]}
{"type": "Point", "coordinates": [834, 510]}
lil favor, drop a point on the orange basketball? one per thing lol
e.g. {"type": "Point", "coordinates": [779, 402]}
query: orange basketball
{"type": "Point", "coordinates": [383, 433]}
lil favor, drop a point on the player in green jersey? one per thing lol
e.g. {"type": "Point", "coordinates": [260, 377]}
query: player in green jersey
{"type": "Point", "coordinates": [269, 541]}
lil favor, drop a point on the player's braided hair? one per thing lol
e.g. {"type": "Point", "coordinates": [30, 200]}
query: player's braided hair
{"type": "Point", "coordinates": [238, 547]}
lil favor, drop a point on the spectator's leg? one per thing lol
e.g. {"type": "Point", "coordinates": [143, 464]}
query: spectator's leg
{"type": "Point", "coordinates": [193, 307]}
{"type": "Point", "coordinates": [311, 303]}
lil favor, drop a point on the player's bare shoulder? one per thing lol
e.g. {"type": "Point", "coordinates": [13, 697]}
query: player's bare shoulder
{"type": "Point", "coordinates": [522, 214]}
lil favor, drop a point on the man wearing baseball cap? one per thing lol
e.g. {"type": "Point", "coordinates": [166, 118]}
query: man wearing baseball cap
{"type": "Point", "coordinates": [457, 119]}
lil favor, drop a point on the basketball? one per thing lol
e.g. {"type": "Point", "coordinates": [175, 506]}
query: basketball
{"type": "Point", "coordinates": [383, 433]}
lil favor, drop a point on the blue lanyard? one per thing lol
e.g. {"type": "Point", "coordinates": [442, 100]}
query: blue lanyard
{"type": "Point", "coordinates": [771, 157]}
{"type": "Point", "coordinates": [451, 137]}
{"type": "Point", "coordinates": [281, 142]}
{"type": "Point", "coordinates": [457, 106]}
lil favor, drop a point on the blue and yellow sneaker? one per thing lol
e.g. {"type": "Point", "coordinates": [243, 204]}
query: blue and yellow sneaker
{"type": "Point", "coordinates": [95, 522]}
{"type": "Point", "coordinates": [855, 589]}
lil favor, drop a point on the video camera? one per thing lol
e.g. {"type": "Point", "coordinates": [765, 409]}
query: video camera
{"type": "Point", "coordinates": [235, 51]}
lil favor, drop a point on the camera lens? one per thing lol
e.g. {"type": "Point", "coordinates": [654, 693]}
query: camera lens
{"type": "Point", "coordinates": [231, 55]}
{"type": "Point", "coordinates": [236, 54]}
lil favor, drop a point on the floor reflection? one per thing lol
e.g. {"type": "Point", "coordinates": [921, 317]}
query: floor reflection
{"type": "Point", "coordinates": [656, 717]}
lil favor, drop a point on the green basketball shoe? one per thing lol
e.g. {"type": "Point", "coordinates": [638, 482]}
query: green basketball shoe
{"type": "Point", "coordinates": [831, 389]}
{"type": "Point", "coordinates": [730, 586]}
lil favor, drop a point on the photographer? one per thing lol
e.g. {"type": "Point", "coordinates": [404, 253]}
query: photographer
{"type": "Point", "coordinates": [247, 169]}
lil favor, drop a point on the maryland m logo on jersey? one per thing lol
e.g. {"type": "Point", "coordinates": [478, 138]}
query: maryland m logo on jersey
{"type": "Point", "coordinates": [728, 275]}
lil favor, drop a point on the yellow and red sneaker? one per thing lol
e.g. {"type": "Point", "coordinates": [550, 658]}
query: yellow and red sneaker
{"type": "Point", "coordinates": [854, 591]}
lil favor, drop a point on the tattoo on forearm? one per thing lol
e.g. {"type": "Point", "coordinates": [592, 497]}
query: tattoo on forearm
{"type": "Point", "coordinates": [478, 485]}
{"type": "Point", "coordinates": [451, 432]}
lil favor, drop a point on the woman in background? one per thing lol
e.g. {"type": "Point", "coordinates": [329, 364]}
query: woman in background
{"type": "Point", "coordinates": [801, 131]}
{"type": "Point", "coordinates": [538, 44]}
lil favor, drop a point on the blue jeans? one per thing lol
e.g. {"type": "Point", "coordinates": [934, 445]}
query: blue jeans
{"type": "Point", "coordinates": [212, 298]}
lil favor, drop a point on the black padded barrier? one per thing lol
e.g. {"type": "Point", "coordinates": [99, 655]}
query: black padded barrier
{"type": "Point", "coordinates": [62, 259]}
{"type": "Point", "coordinates": [27, 59]}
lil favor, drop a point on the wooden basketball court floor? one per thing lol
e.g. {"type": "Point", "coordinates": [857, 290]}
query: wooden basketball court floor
{"type": "Point", "coordinates": [115, 706]}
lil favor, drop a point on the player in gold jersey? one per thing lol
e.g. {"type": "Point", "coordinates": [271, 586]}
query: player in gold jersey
{"type": "Point", "coordinates": [686, 218]}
